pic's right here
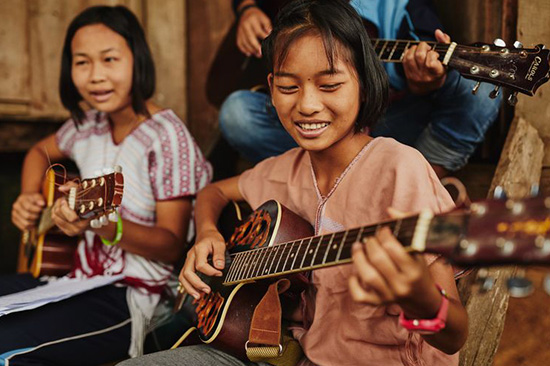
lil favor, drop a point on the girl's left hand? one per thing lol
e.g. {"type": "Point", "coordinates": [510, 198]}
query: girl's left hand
{"type": "Point", "coordinates": [65, 218]}
{"type": "Point", "coordinates": [385, 273]}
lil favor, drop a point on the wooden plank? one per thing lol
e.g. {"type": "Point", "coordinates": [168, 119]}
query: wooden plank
{"type": "Point", "coordinates": [14, 60]}
{"type": "Point", "coordinates": [532, 30]}
{"type": "Point", "coordinates": [208, 22]}
{"type": "Point", "coordinates": [519, 167]}
{"type": "Point", "coordinates": [165, 25]}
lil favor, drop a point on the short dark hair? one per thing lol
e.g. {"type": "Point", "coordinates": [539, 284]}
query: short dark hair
{"type": "Point", "coordinates": [122, 21]}
{"type": "Point", "coordinates": [338, 24]}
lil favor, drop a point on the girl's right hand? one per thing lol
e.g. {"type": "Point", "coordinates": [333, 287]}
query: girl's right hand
{"type": "Point", "coordinates": [26, 210]}
{"type": "Point", "coordinates": [208, 243]}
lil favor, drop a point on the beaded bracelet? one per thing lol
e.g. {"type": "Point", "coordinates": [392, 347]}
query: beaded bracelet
{"type": "Point", "coordinates": [118, 234]}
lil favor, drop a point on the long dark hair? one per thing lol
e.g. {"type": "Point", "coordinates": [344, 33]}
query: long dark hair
{"type": "Point", "coordinates": [338, 24]}
{"type": "Point", "coordinates": [122, 21]}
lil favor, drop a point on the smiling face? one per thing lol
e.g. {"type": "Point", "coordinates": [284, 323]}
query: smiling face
{"type": "Point", "coordinates": [102, 67]}
{"type": "Point", "coordinates": [317, 107]}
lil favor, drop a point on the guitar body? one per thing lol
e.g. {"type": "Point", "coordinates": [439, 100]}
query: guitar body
{"type": "Point", "coordinates": [223, 317]}
{"type": "Point", "coordinates": [50, 253]}
{"type": "Point", "coordinates": [45, 250]}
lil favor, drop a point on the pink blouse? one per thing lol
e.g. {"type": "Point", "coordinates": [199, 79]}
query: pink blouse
{"type": "Point", "coordinates": [336, 329]}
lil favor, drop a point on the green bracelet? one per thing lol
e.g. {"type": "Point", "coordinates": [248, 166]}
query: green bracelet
{"type": "Point", "coordinates": [118, 234]}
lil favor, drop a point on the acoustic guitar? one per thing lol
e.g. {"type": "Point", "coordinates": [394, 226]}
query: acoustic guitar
{"type": "Point", "coordinates": [275, 242]}
{"type": "Point", "coordinates": [522, 70]}
{"type": "Point", "coordinates": [45, 250]}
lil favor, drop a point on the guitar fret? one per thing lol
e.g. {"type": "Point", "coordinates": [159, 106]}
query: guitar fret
{"type": "Point", "coordinates": [382, 51]}
{"type": "Point", "coordinates": [281, 254]}
{"type": "Point", "coordinates": [342, 242]}
{"type": "Point", "coordinates": [393, 49]}
{"type": "Point", "coordinates": [265, 270]}
{"type": "Point", "coordinates": [254, 264]}
{"type": "Point", "coordinates": [232, 268]}
{"type": "Point", "coordinates": [316, 250]}
{"type": "Point", "coordinates": [404, 51]}
{"type": "Point", "coordinates": [247, 264]}
{"type": "Point", "coordinates": [328, 248]}
{"type": "Point", "coordinates": [397, 227]}
{"type": "Point", "coordinates": [264, 257]}
{"type": "Point", "coordinates": [287, 256]}
{"type": "Point", "coordinates": [305, 253]}
{"type": "Point", "coordinates": [296, 254]}
{"type": "Point", "coordinates": [359, 233]}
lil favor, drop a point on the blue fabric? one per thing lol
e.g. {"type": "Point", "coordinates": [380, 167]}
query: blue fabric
{"type": "Point", "coordinates": [5, 355]}
{"type": "Point", "coordinates": [445, 126]}
{"type": "Point", "coordinates": [387, 16]}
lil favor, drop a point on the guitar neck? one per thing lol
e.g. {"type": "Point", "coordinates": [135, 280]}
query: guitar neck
{"type": "Point", "coordinates": [394, 50]}
{"type": "Point", "coordinates": [327, 250]}
{"type": "Point", "coordinates": [46, 221]}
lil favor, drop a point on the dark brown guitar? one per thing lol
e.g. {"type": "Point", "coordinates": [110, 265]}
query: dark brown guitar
{"type": "Point", "coordinates": [45, 250]}
{"type": "Point", "coordinates": [274, 242]}
{"type": "Point", "coordinates": [521, 70]}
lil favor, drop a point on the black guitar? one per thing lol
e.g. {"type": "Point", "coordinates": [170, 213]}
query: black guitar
{"type": "Point", "coordinates": [274, 242]}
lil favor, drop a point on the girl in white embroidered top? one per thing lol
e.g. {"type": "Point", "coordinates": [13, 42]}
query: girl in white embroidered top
{"type": "Point", "coordinates": [107, 65]}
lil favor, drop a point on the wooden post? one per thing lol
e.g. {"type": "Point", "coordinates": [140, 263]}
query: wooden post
{"type": "Point", "coordinates": [519, 168]}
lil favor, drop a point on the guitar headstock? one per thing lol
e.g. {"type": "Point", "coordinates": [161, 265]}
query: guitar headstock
{"type": "Point", "coordinates": [97, 196]}
{"type": "Point", "coordinates": [522, 70]}
{"type": "Point", "coordinates": [494, 232]}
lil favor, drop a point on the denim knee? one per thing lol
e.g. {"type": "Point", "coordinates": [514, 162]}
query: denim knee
{"type": "Point", "coordinates": [235, 118]}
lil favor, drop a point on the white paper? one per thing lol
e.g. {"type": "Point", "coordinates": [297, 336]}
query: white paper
{"type": "Point", "coordinates": [54, 291]}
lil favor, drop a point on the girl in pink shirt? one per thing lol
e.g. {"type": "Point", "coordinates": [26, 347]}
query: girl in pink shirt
{"type": "Point", "coordinates": [328, 86]}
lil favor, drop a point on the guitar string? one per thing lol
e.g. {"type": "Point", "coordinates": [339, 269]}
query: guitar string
{"type": "Point", "coordinates": [407, 228]}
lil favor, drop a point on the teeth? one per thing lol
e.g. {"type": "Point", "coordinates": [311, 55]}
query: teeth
{"type": "Point", "coordinates": [312, 126]}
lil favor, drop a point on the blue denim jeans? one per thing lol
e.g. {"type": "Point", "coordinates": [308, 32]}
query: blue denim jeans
{"type": "Point", "coordinates": [445, 126]}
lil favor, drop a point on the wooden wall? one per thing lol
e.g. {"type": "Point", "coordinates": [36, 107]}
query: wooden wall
{"type": "Point", "coordinates": [31, 37]}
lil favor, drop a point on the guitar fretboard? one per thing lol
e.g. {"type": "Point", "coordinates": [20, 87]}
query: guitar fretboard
{"type": "Point", "coordinates": [46, 222]}
{"type": "Point", "coordinates": [308, 253]}
{"type": "Point", "coordinates": [394, 50]}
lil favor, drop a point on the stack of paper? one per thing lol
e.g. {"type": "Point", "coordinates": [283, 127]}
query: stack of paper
{"type": "Point", "coordinates": [54, 291]}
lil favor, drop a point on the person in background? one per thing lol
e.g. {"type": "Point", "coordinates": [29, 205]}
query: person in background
{"type": "Point", "coordinates": [107, 66]}
{"type": "Point", "coordinates": [432, 108]}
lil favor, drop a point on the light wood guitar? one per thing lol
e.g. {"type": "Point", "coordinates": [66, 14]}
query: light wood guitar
{"type": "Point", "coordinates": [45, 250]}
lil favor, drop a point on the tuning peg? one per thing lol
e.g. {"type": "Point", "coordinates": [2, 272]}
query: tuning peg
{"type": "Point", "coordinates": [103, 220]}
{"type": "Point", "coordinates": [118, 169]}
{"type": "Point", "coordinates": [95, 224]}
{"type": "Point", "coordinates": [519, 286]}
{"type": "Point", "coordinates": [486, 282]}
{"type": "Point", "coordinates": [499, 42]}
{"type": "Point", "coordinates": [518, 44]}
{"type": "Point", "coordinates": [495, 92]}
{"type": "Point", "coordinates": [535, 190]}
{"type": "Point", "coordinates": [499, 193]}
{"type": "Point", "coordinates": [106, 171]}
{"type": "Point", "coordinates": [546, 284]}
{"type": "Point", "coordinates": [476, 87]}
{"type": "Point", "coordinates": [113, 216]}
{"type": "Point", "coordinates": [513, 98]}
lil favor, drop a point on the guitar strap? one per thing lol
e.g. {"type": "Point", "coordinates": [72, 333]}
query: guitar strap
{"type": "Point", "coordinates": [265, 331]}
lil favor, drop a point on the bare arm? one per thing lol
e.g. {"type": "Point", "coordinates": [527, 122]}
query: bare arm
{"type": "Point", "coordinates": [165, 241]}
{"type": "Point", "coordinates": [386, 274]}
{"type": "Point", "coordinates": [28, 205]}
{"type": "Point", "coordinates": [210, 203]}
